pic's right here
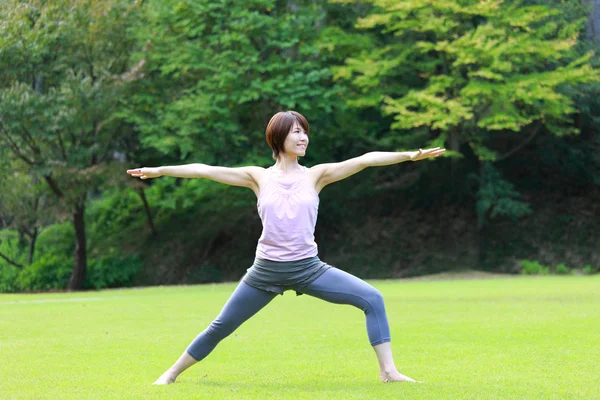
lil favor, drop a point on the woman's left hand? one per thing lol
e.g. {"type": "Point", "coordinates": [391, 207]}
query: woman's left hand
{"type": "Point", "coordinates": [427, 153]}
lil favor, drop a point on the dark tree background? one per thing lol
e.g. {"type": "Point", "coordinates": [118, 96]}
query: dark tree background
{"type": "Point", "coordinates": [89, 89]}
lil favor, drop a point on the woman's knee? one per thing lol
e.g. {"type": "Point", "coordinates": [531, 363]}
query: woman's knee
{"type": "Point", "coordinates": [374, 299]}
{"type": "Point", "coordinates": [221, 328]}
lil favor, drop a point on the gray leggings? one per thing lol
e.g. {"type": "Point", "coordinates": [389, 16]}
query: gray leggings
{"type": "Point", "coordinates": [334, 285]}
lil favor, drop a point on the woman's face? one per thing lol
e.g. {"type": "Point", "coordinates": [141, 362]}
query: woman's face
{"type": "Point", "coordinates": [296, 141]}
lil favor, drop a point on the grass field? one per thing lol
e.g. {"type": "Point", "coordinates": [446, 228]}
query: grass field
{"type": "Point", "coordinates": [505, 338]}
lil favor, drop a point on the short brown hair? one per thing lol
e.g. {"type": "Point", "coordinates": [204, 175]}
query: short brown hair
{"type": "Point", "coordinates": [279, 126]}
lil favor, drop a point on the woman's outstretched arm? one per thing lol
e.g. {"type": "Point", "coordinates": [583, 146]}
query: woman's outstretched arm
{"type": "Point", "coordinates": [333, 172]}
{"type": "Point", "coordinates": [238, 176]}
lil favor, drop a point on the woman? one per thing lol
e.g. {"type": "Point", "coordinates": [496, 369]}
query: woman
{"type": "Point", "coordinates": [286, 254]}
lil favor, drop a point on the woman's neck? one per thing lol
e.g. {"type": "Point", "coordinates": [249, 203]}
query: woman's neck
{"type": "Point", "coordinates": [287, 164]}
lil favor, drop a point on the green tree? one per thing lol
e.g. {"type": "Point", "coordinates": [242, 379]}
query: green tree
{"type": "Point", "coordinates": [26, 205]}
{"type": "Point", "coordinates": [65, 65]}
{"type": "Point", "coordinates": [470, 69]}
{"type": "Point", "coordinates": [218, 70]}
{"type": "Point", "coordinates": [215, 72]}
{"type": "Point", "coordinates": [462, 74]}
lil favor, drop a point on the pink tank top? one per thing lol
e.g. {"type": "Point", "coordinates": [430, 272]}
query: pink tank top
{"type": "Point", "coordinates": [289, 214]}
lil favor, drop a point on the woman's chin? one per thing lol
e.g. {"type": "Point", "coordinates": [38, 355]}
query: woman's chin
{"type": "Point", "coordinates": [297, 153]}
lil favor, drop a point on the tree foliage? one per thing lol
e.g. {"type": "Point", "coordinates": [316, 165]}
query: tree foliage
{"type": "Point", "coordinates": [87, 85]}
{"type": "Point", "coordinates": [64, 66]}
{"type": "Point", "coordinates": [458, 73]}
{"type": "Point", "coordinates": [218, 70]}
{"type": "Point", "coordinates": [470, 69]}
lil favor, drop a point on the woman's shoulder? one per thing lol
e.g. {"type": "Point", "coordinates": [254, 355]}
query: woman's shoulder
{"type": "Point", "coordinates": [314, 176]}
{"type": "Point", "coordinates": [317, 170]}
{"type": "Point", "coordinates": [256, 173]}
{"type": "Point", "coordinates": [260, 176]}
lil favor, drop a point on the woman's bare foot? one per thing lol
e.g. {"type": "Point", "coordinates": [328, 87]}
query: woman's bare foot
{"type": "Point", "coordinates": [387, 369]}
{"type": "Point", "coordinates": [394, 376]}
{"type": "Point", "coordinates": [170, 375]}
{"type": "Point", "coordinates": [166, 378]}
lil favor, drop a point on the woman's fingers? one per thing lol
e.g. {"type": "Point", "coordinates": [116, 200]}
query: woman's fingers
{"type": "Point", "coordinates": [436, 152]}
{"type": "Point", "coordinates": [137, 173]}
{"type": "Point", "coordinates": [429, 153]}
{"type": "Point", "coordinates": [144, 172]}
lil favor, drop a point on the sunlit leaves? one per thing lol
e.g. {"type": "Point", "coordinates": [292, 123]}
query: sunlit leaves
{"type": "Point", "coordinates": [498, 64]}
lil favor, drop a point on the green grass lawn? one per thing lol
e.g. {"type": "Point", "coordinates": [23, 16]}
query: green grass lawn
{"type": "Point", "coordinates": [506, 338]}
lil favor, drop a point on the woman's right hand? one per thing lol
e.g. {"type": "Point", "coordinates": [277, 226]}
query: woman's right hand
{"type": "Point", "coordinates": [144, 173]}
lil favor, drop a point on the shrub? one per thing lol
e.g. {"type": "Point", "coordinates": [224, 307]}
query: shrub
{"type": "Point", "coordinates": [533, 268]}
{"type": "Point", "coordinates": [57, 238]}
{"type": "Point", "coordinates": [8, 276]}
{"type": "Point", "coordinates": [9, 246]}
{"type": "Point", "coordinates": [53, 260]}
{"type": "Point", "coordinates": [589, 270]}
{"type": "Point", "coordinates": [112, 270]}
{"type": "Point", "coordinates": [562, 269]}
{"type": "Point", "coordinates": [50, 271]}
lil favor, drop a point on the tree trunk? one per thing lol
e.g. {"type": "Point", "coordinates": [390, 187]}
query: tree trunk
{"type": "Point", "coordinates": [453, 142]}
{"type": "Point", "coordinates": [80, 260]}
{"type": "Point", "coordinates": [593, 23]}
{"type": "Point", "coordinates": [148, 213]}
{"type": "Point", "coordinates": [481, 245]}
{"type": "Point", "coordinates": [21, 243]}
{"type": "Point", "coordinates": [481, 225]}
{"type": "Point", "coordinates": [32, 241]}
